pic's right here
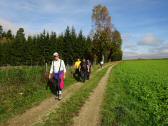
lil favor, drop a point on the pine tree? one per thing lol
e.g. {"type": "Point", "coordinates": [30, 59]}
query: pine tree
{"type": "Point", "coordinates": [9, 34]}
{"type": "Point", "coordinates": [19, 48]}
{"type": "Point", "coordinates": [1, 31]}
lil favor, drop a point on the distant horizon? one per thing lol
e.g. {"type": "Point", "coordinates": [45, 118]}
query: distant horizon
{"type": "Point", "coordinates": [146, 59]}
{"type": "Point", "coordinates": [142, 24]}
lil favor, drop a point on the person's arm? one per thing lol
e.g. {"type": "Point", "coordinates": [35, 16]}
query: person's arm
{"type": "Point", "coordinates": [80, 66]}
{"type": "Point", "coordinates": [51, 70]}
{"type": "Point", "coordinates": [75, 65]}
{"type": "Point", "coordinates": [88, 68]}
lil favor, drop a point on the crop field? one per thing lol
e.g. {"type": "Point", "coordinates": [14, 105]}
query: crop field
{"type": "Point", "coordinates": [137, 94]}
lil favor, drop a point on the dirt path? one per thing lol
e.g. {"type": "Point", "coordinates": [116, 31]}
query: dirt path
{"type": "Point", "coordinates": [89, 113]}
{"type": "Point", "coordinates": [38, 113]}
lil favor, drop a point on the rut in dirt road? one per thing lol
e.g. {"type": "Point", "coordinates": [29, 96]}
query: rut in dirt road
{"type": "Point", "coordinates": [89, 114]}
{"type": "Point", "coordinates": [36, 113]}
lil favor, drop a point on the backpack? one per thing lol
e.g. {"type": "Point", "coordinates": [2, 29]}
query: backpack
{"type": "Point", "coordinates": [83, 66]}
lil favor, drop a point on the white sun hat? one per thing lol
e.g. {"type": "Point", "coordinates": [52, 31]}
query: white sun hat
{"type": "Point", "coordinates": [55, 54]}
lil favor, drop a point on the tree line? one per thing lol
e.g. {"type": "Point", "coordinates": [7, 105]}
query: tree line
{"type": "Point", "coordinates": [38, 49]}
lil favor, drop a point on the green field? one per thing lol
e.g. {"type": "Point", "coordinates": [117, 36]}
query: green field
{"type": "Point", "coordinates": [137, 94]}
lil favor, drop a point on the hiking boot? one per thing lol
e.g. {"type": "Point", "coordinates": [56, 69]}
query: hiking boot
{"type": "Point", "coordinates": [56, 97]}
{"type": "Point", "coordinates": [59, 97]}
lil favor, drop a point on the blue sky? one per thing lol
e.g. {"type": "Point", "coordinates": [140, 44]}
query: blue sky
{"type": "Point", "coordinates": [143, 23]}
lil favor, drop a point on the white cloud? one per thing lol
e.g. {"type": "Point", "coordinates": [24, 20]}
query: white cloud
{"type": "Point", "coordinates": [136, 55]}
{"type": "Point", "coordinates": [150, 40]}
{"type": "Point", "coordinates": [8, 25]}
{"type": "Point", "coordinates": [50, 6]}
{"type": "Point", "coordinates": [52, 15]}
{"type": "Point", "coordinates": [130, 47]}
{"type": "Point", "coordinates": [154, 48]}
{"type": "Point", "coordinates": [163, 48]}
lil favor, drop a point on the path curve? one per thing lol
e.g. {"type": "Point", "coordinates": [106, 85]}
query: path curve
{"type": "Point", "coordinates": [89, 114]}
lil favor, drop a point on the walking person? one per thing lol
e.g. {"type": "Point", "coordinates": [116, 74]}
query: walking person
{"type": "Point", "coordinates": [89, 65]}
{"type": "Point", "coordinates": [101, 64]}
{"type": "Point", "coordinates": [83, 70]}
{"type": "Point", "coordinates": [77, 67]}
{"type": "Point", "coordinates": [58, 72]}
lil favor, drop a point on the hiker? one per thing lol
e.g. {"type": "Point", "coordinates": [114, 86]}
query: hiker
{"type": "Point", "coordinates": [101, 64]}
{"type": "Point", "coordinates": [88, 69]}
{"type": "Point", "coordinates": [57, 73]}
{"type": "Point", "coordinates": [83, 70]}
{"type": "Point", "coordinates": [77, 67]}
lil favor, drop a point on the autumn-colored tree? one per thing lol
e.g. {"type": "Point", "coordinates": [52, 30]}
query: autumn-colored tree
{"type": "Point", "coordinates": [101, 18]}
{"type": "Point", "coordinates": [102, 31]}
{"type": "Point", "coordinates": [106, 39]}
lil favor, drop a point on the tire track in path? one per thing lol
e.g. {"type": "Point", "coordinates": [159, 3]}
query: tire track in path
{"type": "Point", "coordinates": [89, 114]}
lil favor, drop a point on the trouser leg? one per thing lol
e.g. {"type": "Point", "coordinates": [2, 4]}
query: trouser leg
{"type": "Point", "coordinates": [56, 87]}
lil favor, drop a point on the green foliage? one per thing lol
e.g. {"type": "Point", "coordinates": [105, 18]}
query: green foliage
{"type": "Point", "coordinates": [1, 31]}
{"type": "Point", "coordinates": [38, 49]}
{"type": "Point", "coordinates": [137, 94]}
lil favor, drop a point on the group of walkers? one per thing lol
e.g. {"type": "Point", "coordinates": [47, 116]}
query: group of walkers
{"type": "Point", "coordinates": [57, 73]}
{"type": "Point", "coordinates": [82, 70]}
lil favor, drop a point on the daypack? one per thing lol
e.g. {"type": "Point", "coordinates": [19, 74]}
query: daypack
{"type": "Point", "coordinates": [83, 66]}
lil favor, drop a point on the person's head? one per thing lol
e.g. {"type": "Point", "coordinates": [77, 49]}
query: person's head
{"type": "Point", "coordinates": [84, 60]}
{"type": "Point", "coordinates": [78, 59]}
{"type": "Point", "coordinates": [56, 56]}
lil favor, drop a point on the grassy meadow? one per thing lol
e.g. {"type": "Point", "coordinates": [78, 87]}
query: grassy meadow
{"type": "Point", "coordinates": [23, 87]}
{"type": "Point", "coordinates": [137, 94]}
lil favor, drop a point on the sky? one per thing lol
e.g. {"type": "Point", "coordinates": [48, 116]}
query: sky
{"type": "Point", "coordinates": [143, 24]}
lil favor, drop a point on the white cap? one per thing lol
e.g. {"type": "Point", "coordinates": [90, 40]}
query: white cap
{"type": "Point", "coordinates": [55, 54]}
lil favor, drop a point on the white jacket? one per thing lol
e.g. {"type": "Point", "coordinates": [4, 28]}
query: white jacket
{"type": "Point", "coordinates": [55, 66]}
